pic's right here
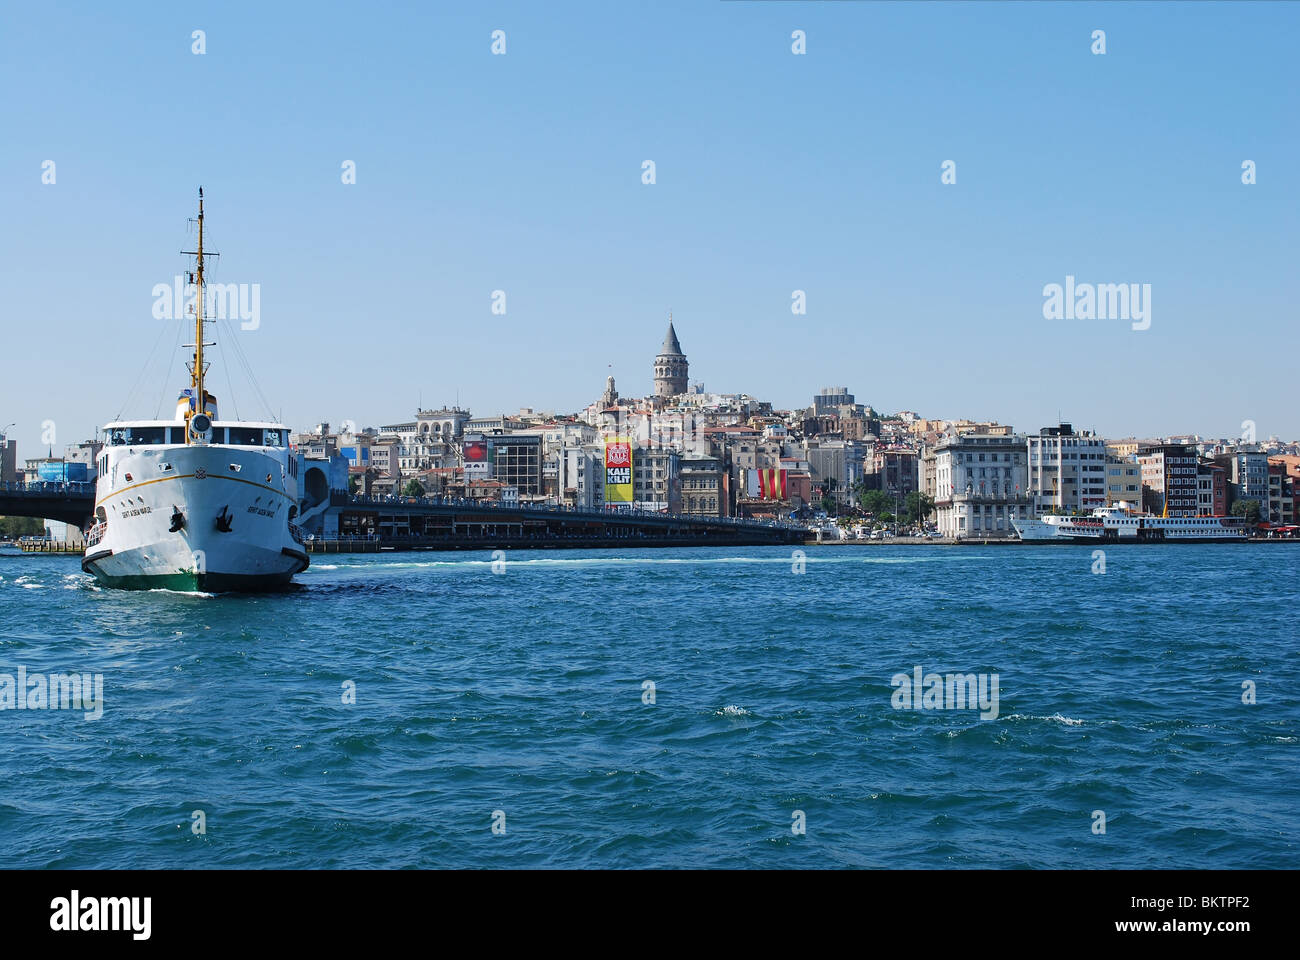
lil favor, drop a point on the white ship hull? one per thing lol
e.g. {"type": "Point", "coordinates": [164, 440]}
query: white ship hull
{"type": "Point", "coordinates": [1121, 526]}
{"type": "Point", "coordinates": [1042, 530]}
{"type": "Point", "coordinates": [235, 533]}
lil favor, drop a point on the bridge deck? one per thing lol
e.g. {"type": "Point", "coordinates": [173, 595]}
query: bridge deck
{"type": "Point", "coordinates": [433, 523]}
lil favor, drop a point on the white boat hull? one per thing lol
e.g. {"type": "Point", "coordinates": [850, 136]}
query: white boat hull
{"type": "Point", "coordinates": [1112, 526]}
{"type": "Point", "coordinates": [235, 533]}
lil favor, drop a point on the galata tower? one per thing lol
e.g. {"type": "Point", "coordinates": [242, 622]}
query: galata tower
{"type": "Point", "coordinates": [670, 366]}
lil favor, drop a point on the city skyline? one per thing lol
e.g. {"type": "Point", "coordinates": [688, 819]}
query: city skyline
{"type": "Point", "coordinates": [776, 173]}
{"type": "Point", "coordinates": [1247, 431]}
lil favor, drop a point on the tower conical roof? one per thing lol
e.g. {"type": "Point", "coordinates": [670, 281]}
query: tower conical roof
{"type": "Point", "coordinates": [671, 347]}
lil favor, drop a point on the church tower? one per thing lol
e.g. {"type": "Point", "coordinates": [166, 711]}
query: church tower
{"type": "Point", "coordinates": [670, 366]}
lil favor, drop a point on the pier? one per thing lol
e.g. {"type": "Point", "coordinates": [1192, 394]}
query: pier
{"type": "Point", "coordinates": [41, 545]}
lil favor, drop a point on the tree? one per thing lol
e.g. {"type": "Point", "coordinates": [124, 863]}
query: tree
{"type": "Point", "coordinates": [1246, 508]}
{"type": "Point", "coordinates": [413, 489]}
{"type": "Point", "coordinates": [21, 527]}
{"type": "Point", "coordinates": [918, 506]}
{"type": "Point", "coordinates": [353, 484]}
{"type": "Point", "coordinates": [876, 502]}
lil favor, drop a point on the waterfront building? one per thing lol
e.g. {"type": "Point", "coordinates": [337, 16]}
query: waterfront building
{"type": "Point", "coordinates": [1067, 470]}
{"type": "Point", "coordinates": [385, 452]}
{"type": "Point", "coordinates": [580, 475]}
{"type": "Point", "coordinates": [704, 487]}
{"type": "Point", "coordinates": [501, 423]}
{"type": "Point", "coordinates": [85, 451]}
{"type": "Point", "coordinates": [978, 484]}
{"type": "Point", "coordinates": [1279, 503]}
{"type": "Point", "coordinates": [320, 444]}
{"type": "Point", "coordinates": [8, 459]}
{"type": "Point", "coordinates": [1123, 481]}
{"type": "Point", "coordinates": [1169, 473]}
{"type": "Point", "coordinates": [355, 448]}
{"type": "Point", "coordinates": [1247, 469]}
{"type": "Point", "coordinates": [656, 478]}
{"type": "Point", "coordinates": [836, 465]}
{"type": "Point", "coordinates": [1211, 489]}
{"type": "Point", "coordinates": [1125, 449]}
{"type": "Point", "coordinates": [1290, 464]}
{"type": "Point", "coordinates": [754, 453]}
{"type": "Point", "coordinates": [988, 428]}
{"type": "Point", "coordinates": [516, 460]}
{"type": "Point", "coordinates": [428, 442]}
{"type": "Point", "coordinates": [447, 423]}
{"type": "Point", "coordinates": [893, 468]}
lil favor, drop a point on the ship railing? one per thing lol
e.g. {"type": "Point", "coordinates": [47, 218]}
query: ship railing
{"type": "Point", "coordinates": [296, 532]}
{"type": "Point", "coordinates": [96, 533]}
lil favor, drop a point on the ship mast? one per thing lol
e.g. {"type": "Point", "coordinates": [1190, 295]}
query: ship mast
{"type": "Point", "coordinates": [198, 320]}
{"type": "Point", "coordinates": [198, 369]}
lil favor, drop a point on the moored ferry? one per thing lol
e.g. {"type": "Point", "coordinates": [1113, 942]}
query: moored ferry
{"type": "Point", "coordinates": [195, 502]}
{"type": "Point", "coordinates": [1121, 524]}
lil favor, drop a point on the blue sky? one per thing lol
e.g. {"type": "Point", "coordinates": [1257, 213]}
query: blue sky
{"type": "Point", "coordinates": [774, 172]}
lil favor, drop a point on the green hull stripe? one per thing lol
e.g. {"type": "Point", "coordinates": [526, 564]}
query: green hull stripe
{"type": "Point", "coordinates": [197, 582]}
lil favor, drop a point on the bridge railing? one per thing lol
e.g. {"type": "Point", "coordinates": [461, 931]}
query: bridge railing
{"type": "Point", "coordinates": [50, 488]}
{"type": "Point", "coordinates": [359, 500]}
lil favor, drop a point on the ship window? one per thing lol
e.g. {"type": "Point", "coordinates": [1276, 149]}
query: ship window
{"type": "Point", "coordinates": [146, 435]}
{"type": "Point", "coordinates": [177, 435]}
{"type": "Point", "coordinates": [246, 436]}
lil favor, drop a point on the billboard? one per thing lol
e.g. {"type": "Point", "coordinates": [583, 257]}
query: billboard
{"type": "Point", "coordinates": [475, 451]}
{"type": "Point", "coordinates": [618, 471]}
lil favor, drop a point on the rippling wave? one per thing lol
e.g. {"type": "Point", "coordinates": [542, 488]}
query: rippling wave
{"type": "Point", "coordinates": [666, 708]}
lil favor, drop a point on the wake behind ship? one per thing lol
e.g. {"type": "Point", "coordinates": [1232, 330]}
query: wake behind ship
{"type": "Point", "coordinates": [195, 502]}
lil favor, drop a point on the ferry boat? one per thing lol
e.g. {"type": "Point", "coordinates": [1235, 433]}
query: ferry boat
{"type": "Point", "coordinates": [1125, 525]}
{"type": "Point", "coordinates": [195, 503]}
